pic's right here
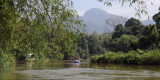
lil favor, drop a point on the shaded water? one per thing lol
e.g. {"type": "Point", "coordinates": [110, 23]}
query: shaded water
{"type": "Point", "coordinates": [65, 70]}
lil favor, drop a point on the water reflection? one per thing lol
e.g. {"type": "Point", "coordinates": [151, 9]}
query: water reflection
{"type": "Point", "coordinates": [75, 64]}
{"type": "Point", "coordinates": [90, 74]}
{"type": "Point", "coordinates": [65, 70]}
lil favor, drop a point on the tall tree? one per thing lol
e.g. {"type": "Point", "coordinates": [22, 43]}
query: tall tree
{"type": "Point", "coordinates": [94, 43]}
{"type": "Point", "coordinates": [119, 30]}
{"type": "Point", "coordinates": [156, 18]}
{"type": "Point", "coordinates": [135, 26]}
{"type": "Point", "coordinates": [83, 50]}
{"type": "Point", "coordinates": [38, 26]}
{"type": "Point", "coordinates": [150, 40]}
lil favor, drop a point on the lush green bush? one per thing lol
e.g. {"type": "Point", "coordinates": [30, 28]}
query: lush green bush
{"type": "Point", "coordinates": [96, 58]}
{"type": "Point", "coordinates": [6, 59]}
{"type": "Point", "coordinates": [133, 57]}
{"type": "Point", "coordinates": [151, 57]}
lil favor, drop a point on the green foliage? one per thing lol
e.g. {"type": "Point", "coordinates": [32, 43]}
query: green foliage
{"type": "Point", "coordinates": [135, 27]}
{"type": "Point", "coordinates": [47, 29]}
{"type": "Point", "coordinates": [151, 57]}
{"type": "Point", "coordinates": [124, 43]}
{"type": "Point", "coordinates": [131, 27]}
{"type": "Point", "coordinates": [133, 23]}
{"type": "Point", "coordinates": [156, 18]}
{"type": "Point", "coordinates": [6, 59]}
{"type": "Point", "coordinates": [133, 57]}
{"type": "Point", "coordinates": [151, 38]}
{"type": "Point", "coordinates": [106, 42]}
{"type": "Point", "coordinates": [119, 30]}
{"type": "Point", "coordinates": [94, 44]}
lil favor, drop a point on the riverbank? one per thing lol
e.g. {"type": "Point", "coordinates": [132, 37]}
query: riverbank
{"type": "Point", "coordinates": [133, 57]}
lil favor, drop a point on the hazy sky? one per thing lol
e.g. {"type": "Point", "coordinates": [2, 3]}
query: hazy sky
{"type": "Point", "coordinates": [83, 5]}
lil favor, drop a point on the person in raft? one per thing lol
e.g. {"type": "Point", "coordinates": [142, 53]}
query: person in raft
{"type": "Point", "coordinates": [75, 58]}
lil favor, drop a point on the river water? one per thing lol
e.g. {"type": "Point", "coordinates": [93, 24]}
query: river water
{"type": "Point", "coordinates": [65, 70]}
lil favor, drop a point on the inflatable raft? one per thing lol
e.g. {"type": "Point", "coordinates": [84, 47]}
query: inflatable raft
{"type": "Point", "coordinates": [75, 61]}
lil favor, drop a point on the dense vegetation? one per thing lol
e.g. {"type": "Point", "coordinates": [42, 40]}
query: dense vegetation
{"type": "Point", "coordinates": [132, 57]}
{"type": "Point", "coordinates": [132, 43]}
{"type": "Point", "coordinates": [46, 28]}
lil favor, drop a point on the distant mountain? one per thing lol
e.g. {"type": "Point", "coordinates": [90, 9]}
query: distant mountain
{"type": "Point", "coordinates": [95, 18]}
{"type": "Point", "coordinates": [147, 22]}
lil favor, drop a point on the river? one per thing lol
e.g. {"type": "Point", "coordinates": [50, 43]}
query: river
{"type": "Point", "coordinates": [65, 70]}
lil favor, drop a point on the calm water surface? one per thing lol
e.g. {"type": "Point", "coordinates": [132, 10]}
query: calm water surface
{"type": "Point", "coordinates": [65, 70]}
